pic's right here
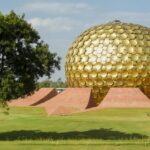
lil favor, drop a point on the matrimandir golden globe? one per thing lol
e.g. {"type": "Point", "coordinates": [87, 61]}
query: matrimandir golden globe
{"type": "Point", "coordinates": [115, 54]}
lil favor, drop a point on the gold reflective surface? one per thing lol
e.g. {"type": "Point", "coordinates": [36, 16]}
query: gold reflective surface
{"type": "Point", "coordinates": [115, 54]}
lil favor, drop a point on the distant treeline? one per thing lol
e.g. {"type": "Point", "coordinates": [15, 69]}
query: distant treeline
{"type": "Point", "coordinates": [55, 84]}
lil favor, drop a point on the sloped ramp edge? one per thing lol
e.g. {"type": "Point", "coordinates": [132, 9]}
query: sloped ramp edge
{"type": "Point", "coordinates": [69, 101]}
{"type": "Point", "coordinates": [50, 95]}
{"type": "Point", "coordinates": [125, 98]}
{"type": "Point", "coordinates": [36, 98]}
{"type": "Point", "coordinates": [64, 110]}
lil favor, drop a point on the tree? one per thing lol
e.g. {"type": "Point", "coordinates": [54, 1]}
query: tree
{"type": "Point", "coordinates": [55, 84]}
{"type": "Point", "coordinates": [24, 57]}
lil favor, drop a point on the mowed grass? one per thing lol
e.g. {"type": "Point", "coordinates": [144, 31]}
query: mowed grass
{"type": "Point", "coordinates": [31, 128]}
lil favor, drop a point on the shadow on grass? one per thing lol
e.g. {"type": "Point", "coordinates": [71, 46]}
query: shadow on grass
{"type": "Point", "coordinates": [103, 134]}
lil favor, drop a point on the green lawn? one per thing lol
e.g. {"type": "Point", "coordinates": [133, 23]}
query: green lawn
{"type": "Point", "coordinates": [31, 128]}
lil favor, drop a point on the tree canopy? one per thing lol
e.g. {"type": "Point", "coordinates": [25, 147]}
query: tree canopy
{"type": "Point", "coordinates": [24, 57]}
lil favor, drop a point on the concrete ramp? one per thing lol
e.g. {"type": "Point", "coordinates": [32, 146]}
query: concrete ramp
{"type": "Point", "coordinates": [36, 98]}
{"type": "Point", "coordinates": [125, 98]}
{"type": "Point", "coordinates": [69, 101]}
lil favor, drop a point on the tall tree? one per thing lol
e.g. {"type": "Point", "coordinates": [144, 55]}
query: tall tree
{"type": "Point", "coordinates": [24, 57]}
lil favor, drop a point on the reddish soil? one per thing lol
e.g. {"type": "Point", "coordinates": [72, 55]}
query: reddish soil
{"type": "Point", "coordinates": [36, 98]}
{"type": "Point", "coordinates": [69, 101]}
{"type": "Point", "coordinates": [125, 98]}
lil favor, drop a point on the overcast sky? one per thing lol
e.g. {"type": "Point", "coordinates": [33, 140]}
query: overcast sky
{"type": "Point", "coordinates": [60, 21]}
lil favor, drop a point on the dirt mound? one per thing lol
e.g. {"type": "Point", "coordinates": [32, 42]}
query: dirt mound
{"type": "Point", "coordinates": [125, 98]}
{"type": "Point", "coordinates": [36, 98]}
{"type": "Point", "coordinates": [69, 101]}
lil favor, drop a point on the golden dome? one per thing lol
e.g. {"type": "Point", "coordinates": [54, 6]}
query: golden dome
{"type": "Point", "coordinates": [115, 54]}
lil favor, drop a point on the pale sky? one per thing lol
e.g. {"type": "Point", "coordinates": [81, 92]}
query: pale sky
{"type": "Point", "coordinates": [59, 22]}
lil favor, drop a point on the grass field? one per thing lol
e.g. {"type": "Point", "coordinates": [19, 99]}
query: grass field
{"type": "Point", "coordinates": [107, 129]}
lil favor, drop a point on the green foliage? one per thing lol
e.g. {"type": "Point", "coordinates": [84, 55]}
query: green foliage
{"type": "Point", "coordinates": [24, 57]}
{"type": "Point", "coordinates": [55, 84]}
